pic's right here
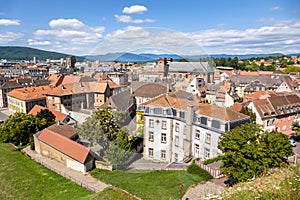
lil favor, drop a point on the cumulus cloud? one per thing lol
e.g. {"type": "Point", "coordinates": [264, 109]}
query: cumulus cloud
{"type": "Point", "coordinates": [66, 23]}
{"type": "Point", "coordinates": [9, 22]}
{"type": "Point", "coordinates": [10, 37]}
{"type": "Point", "coordinates": [67, 34]}
{"type": "Point", "coordinates": [134, 9]}
{"type": "Point", "coordinates": [38, 43]}
{"type": "Point", "coordinates": [282, 36]}
{"type": "Point", "coordinates": [128, 19]}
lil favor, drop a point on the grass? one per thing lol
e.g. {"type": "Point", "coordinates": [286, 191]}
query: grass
{"type": "Point", "coordinates": [110, 194]}
{"type": "Point", "coordinates": [22, 178]}
{"type": "Point", "coordinates": [144, 184]}
{"type": "Point", "coordinates": [281, 184]}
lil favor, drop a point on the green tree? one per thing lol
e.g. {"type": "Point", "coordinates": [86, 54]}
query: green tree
{"type": "Point", "coordinates": [248, 111]}
{"type": "Point", "coordinates": [249, 151]}
{"type": "Point", "coordinates": [92, 131]}
{"type": "Point", "coordinates": [296, 127]}
{"type": "Point", "coordinates": [20, 127]}
{"type": "Point", "coordinates": [120, 117]}
{"type": "Point", "coordinates": [47, 115]}
{"type": "Point", "coordinates": [108, 123]}
{"type": "Point", "coordinates": [117, 156]}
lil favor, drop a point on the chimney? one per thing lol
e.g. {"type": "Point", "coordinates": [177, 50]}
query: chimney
{"type": "Point", "coordinates": [58, 122]}
{"type": "Point", "coordinates": [187, 140]}
{"type": "Point", "coordinates": [168, 88]}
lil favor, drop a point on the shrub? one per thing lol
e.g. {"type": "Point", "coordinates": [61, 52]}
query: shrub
{"type": "Point", "coordinates": [195, 169]}
{"type": "Point", "coordinates": [212, 160]}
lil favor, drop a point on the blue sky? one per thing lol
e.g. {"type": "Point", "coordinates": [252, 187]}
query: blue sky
{"type": "Point", "coordinates": [182, 27]}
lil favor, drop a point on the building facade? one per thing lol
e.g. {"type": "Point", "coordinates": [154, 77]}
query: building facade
{"type": "Point", "coordinates": [176, 130]}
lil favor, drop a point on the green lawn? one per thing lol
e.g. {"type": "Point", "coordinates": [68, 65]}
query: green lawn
{"type": "Point", "coordinates": [110, 194]}
{"type": "Point", "coordinates": [149, 184]}
{"type": "Point", "coordinates": [22, 178]}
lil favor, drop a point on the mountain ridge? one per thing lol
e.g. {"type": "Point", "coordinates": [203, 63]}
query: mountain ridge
{"type": "Point", "coordinates": [27, 53]}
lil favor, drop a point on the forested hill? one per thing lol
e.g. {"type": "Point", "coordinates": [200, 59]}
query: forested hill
{"type": "Point", "coordinates": [26, 53]}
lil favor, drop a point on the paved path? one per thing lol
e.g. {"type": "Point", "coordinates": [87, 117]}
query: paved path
{"type": "Point", "coordinates": [84, 180]}
{"type": "Point", "coordinates": [203, 190]}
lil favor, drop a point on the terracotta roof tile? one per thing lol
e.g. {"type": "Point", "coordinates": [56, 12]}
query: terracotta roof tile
{"type": "Point", "coordinates": [65, 145]}
{"type": "Point", "coordinates": [170, 100]}
{"type": "Point", "coordinates": [62, 129]}
{"type": "Point", "coordinates": [58, 115]}
{"type": "Point", "coordinates": [30, 93]}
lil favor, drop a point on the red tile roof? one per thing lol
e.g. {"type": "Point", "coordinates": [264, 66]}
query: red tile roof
{"type": "Point", "coordinates": [30, 93]}
{"type": "Point", "coordinates": [64, 145]}
{"type": "Point", "coordinates": [58, 115]}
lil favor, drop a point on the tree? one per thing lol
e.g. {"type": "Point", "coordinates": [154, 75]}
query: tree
{"type": "Point", "coordinates": [248, 111]}
{"type": "Point", "coordinates": [117, 156]}
{"type": "Point", "coordinates": [20, 127]}
{"type": "Point", "coordinates": [249, 151]}
{"type": "Point", "coordinates": [296, 127]}
{"type": "Point", "coordinates": [47, 115]}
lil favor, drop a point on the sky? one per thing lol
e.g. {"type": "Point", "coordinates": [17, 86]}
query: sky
{"type": "Point", "coordinates": [187, 27]}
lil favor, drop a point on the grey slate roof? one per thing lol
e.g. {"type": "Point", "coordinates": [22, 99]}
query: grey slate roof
{"type": "Point", "coordinates": [202, 67]}
{"type": "Point", "coordinates": [122, 100]}
{"type": "Point", "coordinates": [268, 81]}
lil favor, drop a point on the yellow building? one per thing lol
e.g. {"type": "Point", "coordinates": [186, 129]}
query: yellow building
{"type": "Point", "coordinates": [24, 99]}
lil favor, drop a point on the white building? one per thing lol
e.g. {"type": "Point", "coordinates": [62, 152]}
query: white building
{"type": "Point", "coordinates": [176, 130]}
{"type": "Point", "coordinates": [194, 86]}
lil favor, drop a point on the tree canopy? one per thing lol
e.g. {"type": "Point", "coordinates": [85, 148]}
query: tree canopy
{"type": "Point", "coordinates": [249, 151]}
{"type": "Point", "coordinates": [47, 115]}
{"type": "Point", "coordinates": [250, 113]}
{"type": "Point", "coordinates": [20, 127]}
{"type": "Point", "coordinates": [103, 128]}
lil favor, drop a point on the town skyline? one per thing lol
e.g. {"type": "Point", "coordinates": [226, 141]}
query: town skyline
{"type": "Point", "coordinates": [108, 27]}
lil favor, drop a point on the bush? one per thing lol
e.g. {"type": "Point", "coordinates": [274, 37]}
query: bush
{"type": "Point", "coordinates": [212, 160]}
{"type": "Point", "coordinates": [195, 169]}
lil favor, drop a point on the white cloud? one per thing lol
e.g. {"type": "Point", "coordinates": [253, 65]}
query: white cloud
{"type": "Point", "coordinates": [134, 9]}
{"type": "Point", "coordinates": [266, 20]}
{"type": "Point", "coordinates": [128, 19]}
{"type": "Point", "coordinates": [9, 22]}
{"type": "Point", "coordinates": [66, 24]}
{"type": "Point", "coordinates": [68, 35]}
{"type": "Point", "coordinates": [7, 37]}
{"type": "Point", "coordinates": [275, 8]}
{"type": "Point", "coordinates": [38, 43]}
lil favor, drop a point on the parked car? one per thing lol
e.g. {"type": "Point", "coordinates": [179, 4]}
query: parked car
{"type": "Point", "coordinates": [293, 142]}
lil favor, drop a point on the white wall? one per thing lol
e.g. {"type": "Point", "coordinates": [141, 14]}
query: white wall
{"type": "Point", "coordinates": [76, 165]}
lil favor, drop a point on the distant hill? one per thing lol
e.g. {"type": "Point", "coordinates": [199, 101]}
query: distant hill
{"type": "Point", "coordinates": [146, 57]}
{"type": "Point", "coordinates": [25, 53]}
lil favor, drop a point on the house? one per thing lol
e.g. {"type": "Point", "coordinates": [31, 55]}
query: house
{"type": "Point", "coordinates": [176, 130]}
{"type": "Point", "coordinates": [78, 95]}
{"type": "Point", "coordinates": [54, 143]}
{"type": "Point", "coordinates": [59, 117]}
{"type": "Point", "coordinates": [149, 91]}
{"type": "Point", "coordinates": [277, 112]}
{"type": "Point", "coordinates": [24, 99]}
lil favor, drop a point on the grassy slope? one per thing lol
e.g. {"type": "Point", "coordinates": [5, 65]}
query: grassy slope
{"type": "Point", "coordinates": [282, 184]}
{"type": "Point", "coordinates": [22, 178]}
{"type": "Point", "coordinates": [149, 184]}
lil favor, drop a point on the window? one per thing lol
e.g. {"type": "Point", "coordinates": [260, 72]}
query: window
{"type": "Point", "coordinates": [163, 154]}
{"type": "Point", "coordinates": [207, 138]}
{"type": "Point", "coordinates": [196, 146]}
{"type": "Point", "coordinates": [284, 128]}
{"type": "Point", "coordinates": [206, 153]}
{"type": "Point", "coordinates": [163, 138]}
{"type": "Point", "coordinates": [176, 141]}
{"type": "Point", "coordinates": [150, 152]}
{"type": "Point", "coordinates": [176, 157]}
{"type": "Point", "coordinates": [164, 124]}
{"type": "Point", "coordinates": [197, 135]}
{"type": "Point", "coordinates": [151, 136]}
{"type": "Point", "coordinates": [151, 123]}
{"type": "Point", "coordinates": [177, 127]}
